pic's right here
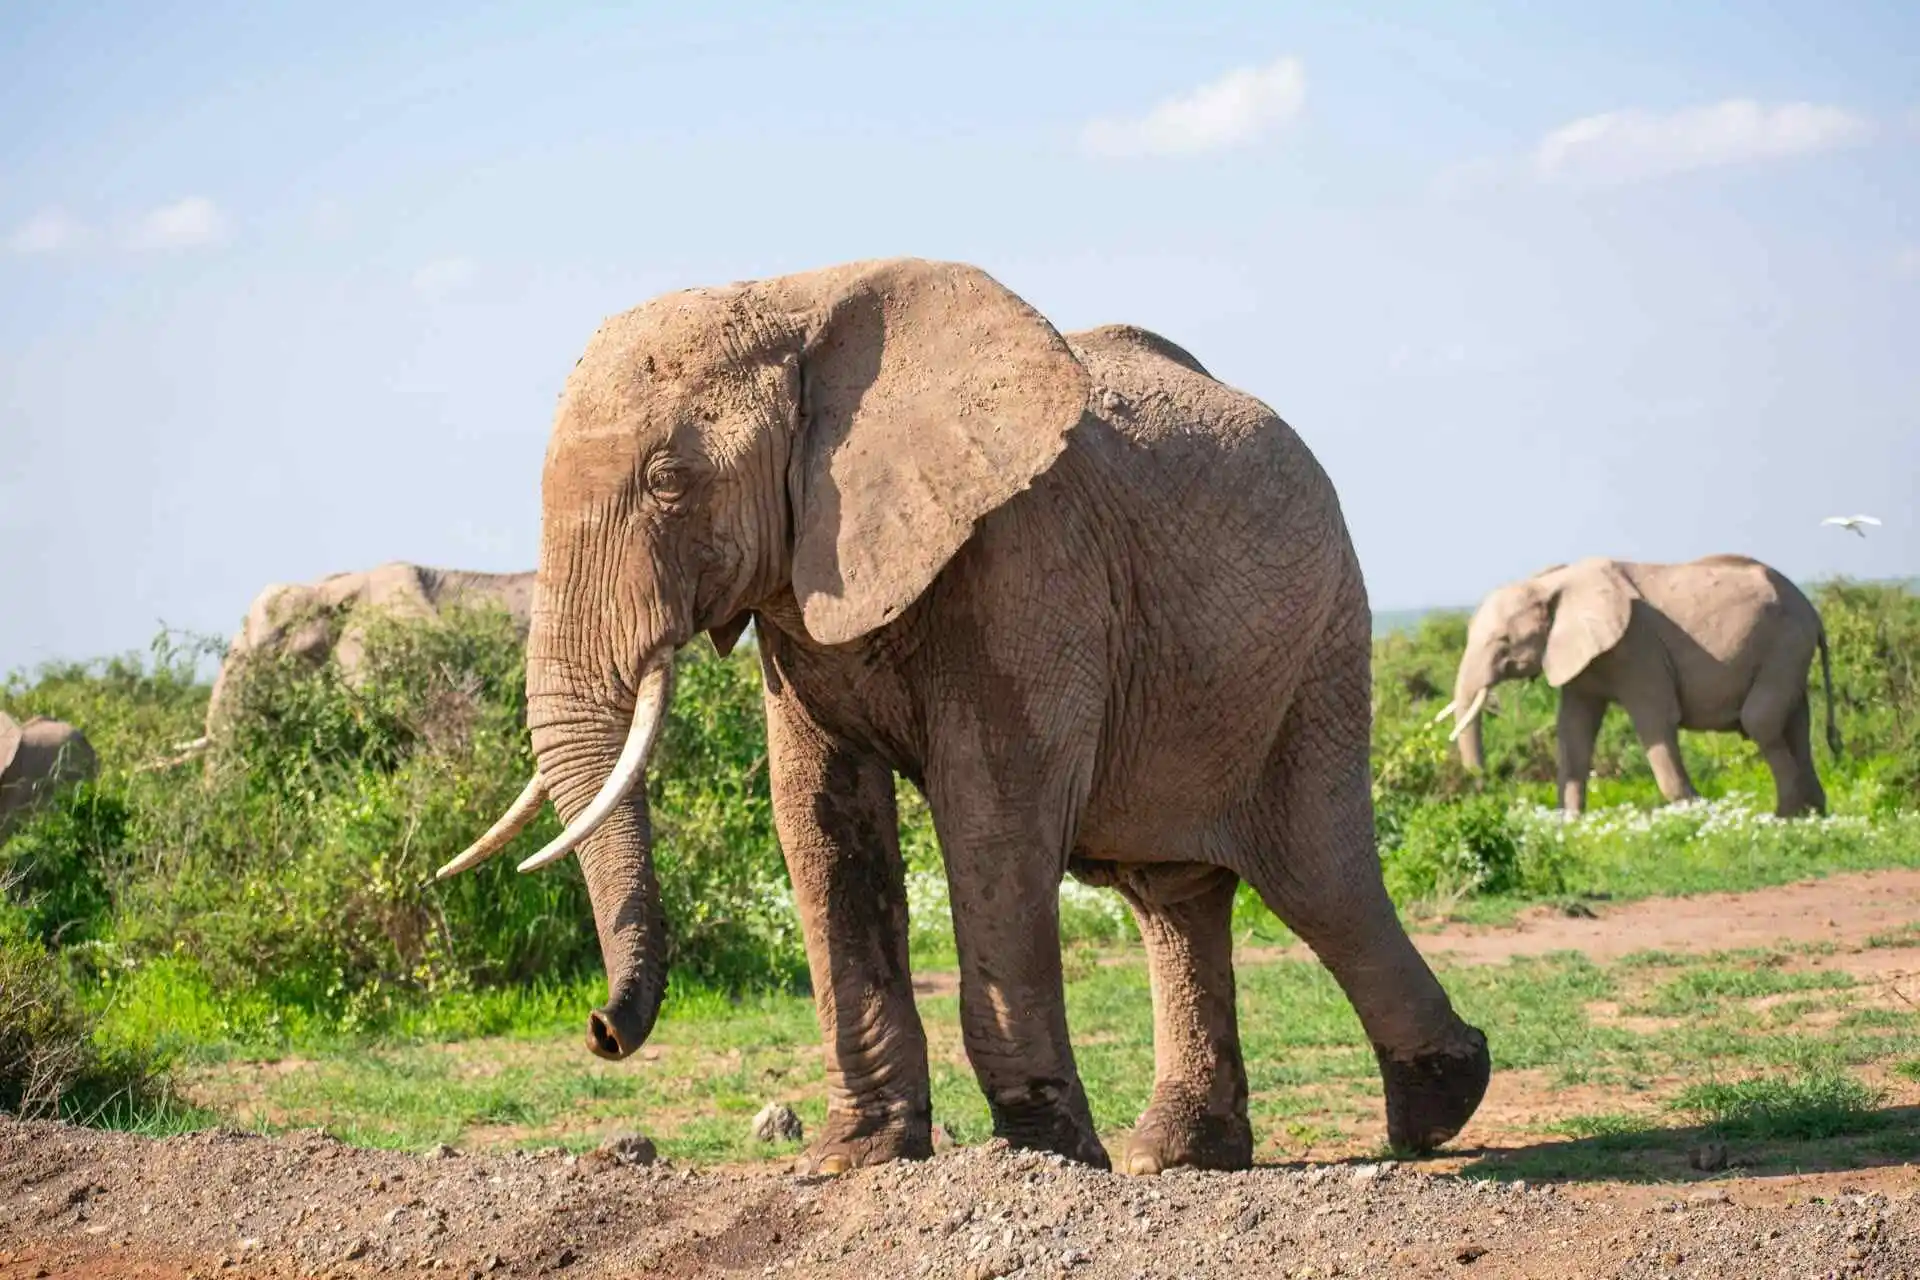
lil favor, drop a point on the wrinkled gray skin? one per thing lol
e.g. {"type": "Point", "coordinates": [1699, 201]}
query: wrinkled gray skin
{"type": "Point", "coordinates": [1719, 643]}
{"type": "Point", "coordinates": [1101, 609]}
{"type": "Point", "coordinates": [305, 620]}
{"type": "Point", "coordinates": [36, 757]}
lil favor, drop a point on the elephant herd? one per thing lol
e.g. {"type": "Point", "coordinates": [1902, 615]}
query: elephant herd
{"type": "Point", "coordinates": [1100, 608]}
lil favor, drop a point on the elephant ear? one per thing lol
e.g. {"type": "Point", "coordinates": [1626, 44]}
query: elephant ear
{"type": "Point", "coordinates": [1590, 616]}
{"type": "Point", "coordinates": [930, 395]}
{"type": "Point", "coordinates": [10, 737]}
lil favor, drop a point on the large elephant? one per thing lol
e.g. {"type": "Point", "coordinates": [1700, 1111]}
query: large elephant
{"type": "Point", "coordinates": [1722, 642]}
{"type": "Point", "coordinates": [1101, 609]}
{"type": "Point", "coordinates": [312, 621]}
{"type": "Point", "coordinates": [36, 757]}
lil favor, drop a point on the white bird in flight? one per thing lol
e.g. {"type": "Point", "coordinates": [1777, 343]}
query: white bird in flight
{"type": "Point", "coordinates": [1853, 523]}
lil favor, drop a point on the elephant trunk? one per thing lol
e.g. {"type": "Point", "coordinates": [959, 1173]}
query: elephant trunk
{"type": "Point", "coordinates": [592, 760]}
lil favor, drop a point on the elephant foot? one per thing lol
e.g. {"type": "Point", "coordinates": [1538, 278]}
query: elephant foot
{"type": "Point", "coordinates": [850, 1141]}
{"type": "Point", "coordinates": [1177, 1132]}
{"type": "Point", "coordinates": [1063, 1126]}
{"type": "Point", "coordinates": [1431, 1097]}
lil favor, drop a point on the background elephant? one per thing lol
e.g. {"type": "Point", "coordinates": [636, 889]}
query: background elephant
{"type": "Point", "coordinates": [1719, 643]}
{"type": "Point", "coordinates": [36, 757]}
{"type": "Point", "coordinates": [1101, 609]}
{"type": "Point", "coordinates": [314, 620]}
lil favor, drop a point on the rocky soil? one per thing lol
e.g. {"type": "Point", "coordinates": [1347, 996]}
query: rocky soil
{"type": "Point", "coordinates": [224, 1205]}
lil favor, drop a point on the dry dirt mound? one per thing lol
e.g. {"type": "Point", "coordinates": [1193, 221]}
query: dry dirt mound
{"type": "Point", "coordinates": [77, 1202]}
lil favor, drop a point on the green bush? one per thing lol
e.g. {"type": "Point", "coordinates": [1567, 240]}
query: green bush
{"type": "Point", "coordinates": [1454, 848]}
{"type": "Point", "coordinates": [50, 1066]}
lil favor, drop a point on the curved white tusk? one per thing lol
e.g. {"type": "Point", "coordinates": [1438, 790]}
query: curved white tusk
{"type": "Point", "coordinates": [649, 714]}
{"type": "Point", "coordinates": [1467, 717]}
{"type": "Point", "coordinates": [1443, 713]}
{"type": "Point", "coordinates": [501, 834]}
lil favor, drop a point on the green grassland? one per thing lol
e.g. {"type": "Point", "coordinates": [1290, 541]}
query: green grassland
{"type": "Point", "coordinates": [274, 901]}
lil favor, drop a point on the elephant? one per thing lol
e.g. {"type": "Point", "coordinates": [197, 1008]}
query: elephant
{"type": "Point", "coordinates": [314, 620]}
{"type": "Point", "coordinates": [1100, 609]}
{"type": "Point", "coordinates": [1719, 643]}
{"type": "Point", "coordinates": [35, 758]}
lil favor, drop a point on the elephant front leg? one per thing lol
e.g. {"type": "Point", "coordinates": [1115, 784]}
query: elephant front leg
{"type": "Point", "coordinates": [839, 831]}
{"type": "Point", "coordinates": [1658, 728]}
{"type": "Point", "coordinates": [1198, 1116]}
{"type": "Point", "coordinates": [1003, 875]}
{"type": "Point", "coordinates": [1578, 727]}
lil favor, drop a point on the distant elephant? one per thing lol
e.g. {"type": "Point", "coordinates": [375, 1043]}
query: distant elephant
{"type": "Point", "coordinates": [36, 757]}
{"type": "Point", "coordinates": [1100, 608]}
{"type": "Point", "coordinates": [1719, 643]}
{"type": "Point", "coordinates": [306, 621]}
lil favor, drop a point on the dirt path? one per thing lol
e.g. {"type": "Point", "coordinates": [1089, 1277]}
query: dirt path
{"type": "Point", "coordinates": [79, 1203]}
{"type": "Point", "coordinates": [1846, 911]}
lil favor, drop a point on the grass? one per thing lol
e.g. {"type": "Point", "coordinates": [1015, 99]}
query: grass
{"type": "Point", "coordinates": [1783, 1093]}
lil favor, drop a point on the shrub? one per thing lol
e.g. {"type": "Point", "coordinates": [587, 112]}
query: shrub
{"type": "Point", "coordinates": [49, 1064]}
{"type": "Point", "coordinates": [1452, 849]}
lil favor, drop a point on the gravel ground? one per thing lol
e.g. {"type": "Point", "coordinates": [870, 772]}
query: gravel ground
{"type": "Point", "coordinates": [82, 1203]}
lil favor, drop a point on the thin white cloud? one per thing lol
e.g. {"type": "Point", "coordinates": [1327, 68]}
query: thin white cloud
{"type": "Point", "coordinates": [1634, 144]}
{"type": "Point", "coordinates": [447, 275]}
{"type": "Point", "coordinates": [1906, 263]}
{"type": "Point", "coordinates": [184, 224]}
{"type": "Point", "coordinates": [49, 231]}
{"type": "Point", "coordinates": [1239, 108]}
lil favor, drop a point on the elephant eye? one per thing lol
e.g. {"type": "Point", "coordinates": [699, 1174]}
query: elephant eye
{"type": "Point", "coordinates": [667, 480]}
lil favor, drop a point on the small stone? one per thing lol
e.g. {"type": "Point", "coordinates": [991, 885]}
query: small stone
{"type": "Point", "coordinates": [777, 1123]}
{"type": "Point", "coordinates": [356, 1250]}
{"type": "Point", "coordinates": [630, 1149]}
{"type": "Point", "coordinates": [1365, 1174]}
{"type": "Point", "coordinates": [441, 1151]}
{"type": "Point", "coordinates": [1672, 1259]}
{"type": "Point", "coordinates": [1711, 1196]}
{"type": "Point", "coordinates": [564, 1258]}
{"type": "Point", "coordinates": [1708, 1157]}
{"type": "Point", "coordinates": [1073, 1258]}
{"type": "Point", "coordinates": [1469, 1253]}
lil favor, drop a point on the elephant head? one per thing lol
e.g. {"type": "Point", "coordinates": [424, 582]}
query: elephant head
{"type": "Point", "coordinates": [827, 439]}
{"type": "Point", "coordinates": [1558, 621]}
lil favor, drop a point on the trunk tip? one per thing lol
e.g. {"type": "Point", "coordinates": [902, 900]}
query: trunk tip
{"type": "Point", "coordinates": [613, 1037]}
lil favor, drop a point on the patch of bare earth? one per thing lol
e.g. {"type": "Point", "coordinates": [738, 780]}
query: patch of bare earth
{"type": "Point", "coordinates": [1845, 910]}
{"type": "Point", "coordinates": [82, 1203]}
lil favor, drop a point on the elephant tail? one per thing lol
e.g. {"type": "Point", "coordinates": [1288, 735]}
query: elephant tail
{"type": "Point", "coordinates": [1826, 680]}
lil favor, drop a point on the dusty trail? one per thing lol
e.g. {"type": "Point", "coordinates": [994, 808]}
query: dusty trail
{"type": "Point", "coordinates": [77, 1203]}
{"type": "Point", "coordinates": [80, 1203]}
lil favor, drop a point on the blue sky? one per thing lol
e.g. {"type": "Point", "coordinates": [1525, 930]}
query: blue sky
{"type": "Point", "coordinates": [285, 293]}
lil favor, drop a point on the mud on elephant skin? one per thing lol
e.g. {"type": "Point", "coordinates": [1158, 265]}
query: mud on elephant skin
{"type": "Point", "coordinates": [314, 621]}
{"type": "Point", "coordinates": [35, 759]}
{"type": "Point", "coordinates": [1100, 608]}
{"type": "Point", "coordinates": [1721, 643]}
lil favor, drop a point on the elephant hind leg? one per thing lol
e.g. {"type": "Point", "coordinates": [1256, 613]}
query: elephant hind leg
{"type": "Point", "coordinates": [1783, 730]}
{"type": "Point", "coordinates": [1198, 1115]}
{"type": "Point", "coordinates": [1314, 862]}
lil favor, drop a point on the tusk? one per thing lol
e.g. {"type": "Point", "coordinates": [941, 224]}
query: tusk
{"type": "Point", "coordinates": [501, 833]}
{"type": "Point", "coordinates": [649, 714]}
{"type": "Point", "coordinates": [1467, 716]}
{"type": "Point", "coordinates": [1443, 713]}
